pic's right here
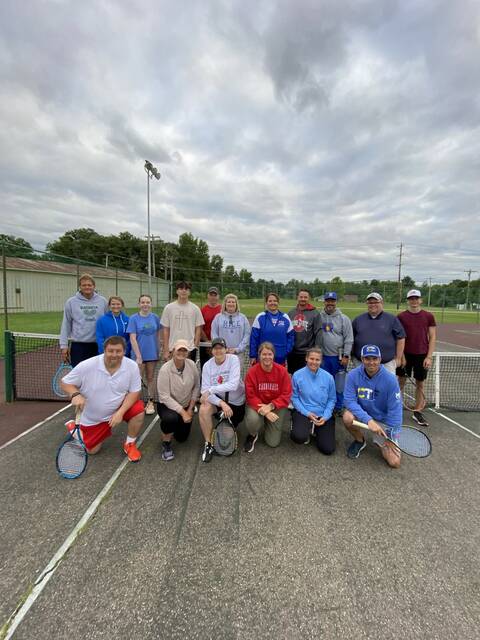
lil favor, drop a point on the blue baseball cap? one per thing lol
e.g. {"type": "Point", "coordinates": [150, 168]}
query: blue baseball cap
{"type": "Point", "coordinates": [370, 350]}
{"type": "Point", "coordinates": [330, 295]}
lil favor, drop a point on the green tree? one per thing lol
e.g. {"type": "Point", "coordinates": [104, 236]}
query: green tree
{"type": "Point", "coordinates": [17, 247]}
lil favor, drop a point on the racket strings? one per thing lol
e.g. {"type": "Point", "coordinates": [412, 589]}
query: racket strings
{"type": "Point", "coordinates": [72, 458]}
{"type": "Point", "coordinates": [414, 443]}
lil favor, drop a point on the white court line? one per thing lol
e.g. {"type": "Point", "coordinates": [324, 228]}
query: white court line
{"type": "Point", "coordinates": [455, 422]}
{"type": "Point", "coordinates": [19, 614]}
{"type": "Point", "coordinates": [35, 426]}
{"type": "Point", "coordinates": [453, 344]}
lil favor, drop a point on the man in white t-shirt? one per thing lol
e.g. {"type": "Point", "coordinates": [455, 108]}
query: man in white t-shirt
{"type": "Point", "coordinates": [181, 320]}
{"type": "Point", "coordinates": [220, 375]}
{"type": "Point", "coordinates": [106, 388]}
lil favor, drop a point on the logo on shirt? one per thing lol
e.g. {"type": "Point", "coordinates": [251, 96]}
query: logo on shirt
{"type": "Point", "coordinates": [300, 323]}
{"type": "Point", "coordinates": [365, 393]}
{"type": "Point", "coordinates": [327, 327]}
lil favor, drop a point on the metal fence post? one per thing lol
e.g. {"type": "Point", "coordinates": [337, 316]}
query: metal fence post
{"type": "Point", "coordinates": [5, 295]}
{"type": "Point", "coordinates": [9, 366]}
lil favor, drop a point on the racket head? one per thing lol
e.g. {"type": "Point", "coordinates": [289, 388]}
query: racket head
{"type": "Point", "coordinates": [72, 457]}
{"type": "Point", "coordinates": [409, 393]}
{"type": "Point", "coordinates": [413, 442]}
{"type": "Point", "coordinates": [60, 373]}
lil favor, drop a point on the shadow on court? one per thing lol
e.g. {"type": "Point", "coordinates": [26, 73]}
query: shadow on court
{"type": "Point", "coordinates": [281, 543]}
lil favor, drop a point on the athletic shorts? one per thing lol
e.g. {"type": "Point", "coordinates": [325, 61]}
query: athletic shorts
{"type": "Point", "coordinates": [392, 433]}
{"type": "Point", "coordinates": [94, 434]}
{"type": "Point", "coordinates": [238, 413]}
{"type": "Point", "coordinates": [414, 363]}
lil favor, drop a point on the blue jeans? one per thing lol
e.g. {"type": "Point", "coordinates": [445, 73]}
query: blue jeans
{"type": "Point", "coordinates": [333, 366]}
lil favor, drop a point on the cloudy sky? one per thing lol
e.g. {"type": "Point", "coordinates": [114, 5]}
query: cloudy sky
{"type": "Point", "coordinates": [299, 138]}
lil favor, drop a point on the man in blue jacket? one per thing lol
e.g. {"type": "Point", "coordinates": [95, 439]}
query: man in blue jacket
{"type": "Point", "coordinates": [372, 396]}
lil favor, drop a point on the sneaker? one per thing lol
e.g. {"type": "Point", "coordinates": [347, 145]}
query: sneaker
{"type": "Point", "coordinates": [207, 452]}
{"type": "Point", "coordinates": [149, 409]}
{"type": "Point", "coordinates": [355, 449]}
{"type": "Point", "coordinates": [132, 452]}
{"type": "Point", "coordinates": [420, 418]}
{"type": "Point", "coordinates": [249, 445]}
{"type": "Point", "coordinates": [167, 452]}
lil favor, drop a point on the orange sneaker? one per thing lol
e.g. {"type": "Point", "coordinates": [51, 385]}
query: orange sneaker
{"type": "Point", "coordinates": [132, 452]}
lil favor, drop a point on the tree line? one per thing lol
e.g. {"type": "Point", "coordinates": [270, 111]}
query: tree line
{"type": "Point", "coordinates": [190, 259]}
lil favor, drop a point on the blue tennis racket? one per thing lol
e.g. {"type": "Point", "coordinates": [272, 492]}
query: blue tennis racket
{"type": "Point", "coordinates": [72, 456]}
{"type": "Point", "coordinates": [60, 373]}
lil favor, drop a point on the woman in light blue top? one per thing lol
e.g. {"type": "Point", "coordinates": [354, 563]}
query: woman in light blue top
{"type": "Point", "coordinates": [231, 325]}
{"type": "Point", "coordinates": [113, 323]}
{"type": "Point", "coordinates": [144, 329]}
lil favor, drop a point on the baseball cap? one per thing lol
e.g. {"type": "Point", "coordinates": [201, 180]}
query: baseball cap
{"type": "Point", "coordinates": [370, 350]}
{"type": "Point", "coordinates": [375, 296]}
{"type": "Point", "coordinates": [330, 295]}
{"type": "Point", "coordinates": [414, 293]}
{"type": "Point", "coordinates": [213, 290]}
{"type": "Point", "coordinates": [219, 341]}
{"type": "Point", "coordinates": [180, 344]}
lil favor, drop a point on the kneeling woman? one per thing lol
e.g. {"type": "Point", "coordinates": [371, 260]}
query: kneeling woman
{"type": "Point", "coordinates": [178, 385]}
{"type": "Point", "coordinates": [313, 399]}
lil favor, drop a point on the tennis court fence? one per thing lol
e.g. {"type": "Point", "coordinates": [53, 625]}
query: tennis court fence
{"type": "Point", "coordinates": [31, 361]}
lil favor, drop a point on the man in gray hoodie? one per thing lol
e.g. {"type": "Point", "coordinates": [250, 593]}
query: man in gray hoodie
{"type": "Point", "coordinates": [80, 316]}
{"type": "Point", "coordinates": [337, 341]}
{"type": "Point", "coordinates": [306, 326]}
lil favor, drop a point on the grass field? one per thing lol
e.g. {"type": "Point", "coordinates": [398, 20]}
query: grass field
{"type": "Point", "coordinates": [49, 322]}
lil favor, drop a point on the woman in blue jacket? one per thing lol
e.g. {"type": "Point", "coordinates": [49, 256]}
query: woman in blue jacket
{"type": "Point", "coordinates": [113, 323]}
{"type": "Point", "coordinates": [272, 325]}
{"type": "Point", "coordinates": [313, 399]}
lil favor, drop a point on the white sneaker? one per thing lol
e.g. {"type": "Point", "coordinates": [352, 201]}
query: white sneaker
{"type": "Point", "coordinates": [149, 409]}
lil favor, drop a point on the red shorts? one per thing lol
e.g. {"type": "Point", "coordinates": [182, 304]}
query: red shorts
{"type": "Point", "coordinates": [94, 434]}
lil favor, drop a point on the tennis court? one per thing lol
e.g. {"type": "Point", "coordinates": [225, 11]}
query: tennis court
{"type": "Point", "coordinates": [282, 543]}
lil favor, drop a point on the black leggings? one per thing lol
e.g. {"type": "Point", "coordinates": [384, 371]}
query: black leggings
{"type": "Point", "coordinates": [324, 435]}
{"type": "Point", "coordinates": [172, 422]}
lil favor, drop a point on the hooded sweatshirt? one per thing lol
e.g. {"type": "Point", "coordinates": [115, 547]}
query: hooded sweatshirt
{"type": "Point", "coordinates": [306, 326]}
{"type": "Point", "coordinates": [336, 332]}
{"type": "Point", "coordinates": [111, 325]}
{"type": "Point", "coordinates": [275, 328]}
{"type": "Point", "coordinates": [377, 397]}
{"type": "Point", "coordinates": [234, 328]}
{"type": "Point", "coordinates": [79, 318]}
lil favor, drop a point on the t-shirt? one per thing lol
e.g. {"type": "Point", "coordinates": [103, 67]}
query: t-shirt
{"type": "Point", "coordinates": [416, 327]}
{"type": "Point", "coordinates": [104, 392]}
{"type": "Point", "coordinates": [182, 320]}
{"type": "Point", "coordinates": [384, 330]}
{"type": "Point", "coordinates": [145, 329]}
{"type": "Point", "coordinates": [209, 314]}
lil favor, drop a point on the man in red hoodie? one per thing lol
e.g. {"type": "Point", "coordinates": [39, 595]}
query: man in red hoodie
{"type": "Point", "coordinates": [268, 390]}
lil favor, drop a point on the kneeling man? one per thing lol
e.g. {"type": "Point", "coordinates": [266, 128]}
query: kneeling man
{"type": "Point", "coordinates": [106, 388]}
{"type": "Point", "coordinates": [372, 396]}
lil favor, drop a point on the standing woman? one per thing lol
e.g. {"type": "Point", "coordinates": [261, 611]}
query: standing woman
{"type": "Point", "coordinates": [144, 329]}
{"type": "Point", "coordinates": [113, 323]}
{"type": "Point", "coordinates": [231, 325]}
{"type": "Point", "coordinates": [272, 325]}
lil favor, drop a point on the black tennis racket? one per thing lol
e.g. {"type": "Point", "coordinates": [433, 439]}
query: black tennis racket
{"type": "Point", "coordinates": [72, 456]}
{"type": "Point", "coordinates": [60, 373]}
{"type": "Point", "coordinates": [412, 395]}
{"type": "Point", "coordinates": [410, 440]}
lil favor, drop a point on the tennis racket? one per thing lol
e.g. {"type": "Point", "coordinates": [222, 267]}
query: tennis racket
{"type": "Point", "coordinates": [410, 440]}
{"type": "Point", "coordinates": [60, 373]}
{"type": "Point", "coordinates": [411, 393]}
{"type": "Point", "coordinates": [224, 437]}
{"type": "Point", "coordinates": [72, 456]}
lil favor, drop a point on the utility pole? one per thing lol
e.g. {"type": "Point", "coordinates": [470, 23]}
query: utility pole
{"type": "Point", "coordinates": [399, 283]}
{"type": "Point", "coordinates": [470, 271]}
{"type": "Point", "coordinates": [429, 291]}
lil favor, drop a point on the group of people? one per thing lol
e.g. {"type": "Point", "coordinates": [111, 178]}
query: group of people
{"type": "Point", "coordinates": [297, 375]}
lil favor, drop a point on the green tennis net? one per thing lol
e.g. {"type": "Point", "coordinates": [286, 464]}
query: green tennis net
{"type": "Point", "coordinates": [32, 359]}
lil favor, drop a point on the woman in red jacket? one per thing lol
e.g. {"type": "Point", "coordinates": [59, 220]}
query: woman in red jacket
{"type": "Point", "coordinates": [268, 390]}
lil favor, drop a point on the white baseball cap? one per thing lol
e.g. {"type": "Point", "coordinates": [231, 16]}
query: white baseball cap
{"type": "Point", "coordinates": [414, 293]}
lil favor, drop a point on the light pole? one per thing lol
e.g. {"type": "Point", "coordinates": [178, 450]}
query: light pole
{"type": "Point", "coordinates": [152, 172]}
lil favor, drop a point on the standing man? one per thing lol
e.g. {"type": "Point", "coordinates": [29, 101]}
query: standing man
{"type": "Point", "coordinates": [421, 331]}
{"type": "Point", "coordinates": [372, 396]}
{"type": "Point", "coordinates": [80, 316]}
{"type": "Point", "coordinates": [181, 320]}
{"type": "Point", "coordinates": [306, 326]}
{"type": "Point", "coordinates": [337, 342]}
{"type": "Point", "coordinates": [107, 390]}
{"type": "Point", "coordinates": [209, 311]}
{"type": "Point", "coordinates": [382, 329]}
